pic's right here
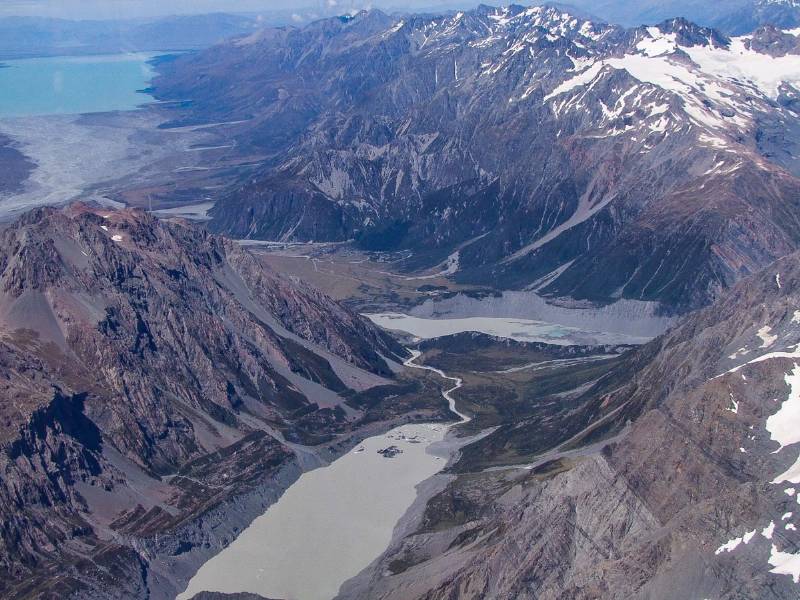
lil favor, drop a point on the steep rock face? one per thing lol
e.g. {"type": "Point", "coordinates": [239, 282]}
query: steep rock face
{"type": "Point", "coordinates": [535, 146]}
{"type": "Point", "coordinates": [147, 303]}
{"type": "Point", "coordinates": [685, 487]}
{"type": "Point", "coordinates": [153, 374]}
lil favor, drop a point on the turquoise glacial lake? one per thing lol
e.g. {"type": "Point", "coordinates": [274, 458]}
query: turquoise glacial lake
{"type": "Point", "coordinates": [73, 85]}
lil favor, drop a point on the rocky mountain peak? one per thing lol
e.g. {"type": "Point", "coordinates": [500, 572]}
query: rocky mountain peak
{"type": "Point", "coordinates": [690, 34]}
{"type": "Point", "coordinates": [367, 21]}
{"type": "Point", "coordinates": [773, 41]}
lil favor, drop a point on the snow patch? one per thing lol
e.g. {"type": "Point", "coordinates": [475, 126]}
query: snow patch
{"type": "Point", "coordinates": [731, 545]}
{"type": "Point", "coordinates": [762, 358]}
{"type": "Point", "coordinates": [658, 43]}
{"type": "Point", "coordinates": [761, 71]}
{"type": "Point", "coordinates": [766, 338]}
{"type": "Point", "coordinates": [453, 264]}
{"type": "Point", "coordinates": [768, 530]}
{"type": "Point", "coordinates": [582, 78]}
{"type": "Point", "coordinates": [784, 425]}
{"type": "Point", "coordinates": [785, 563]}
{"type": "Point", "coordinates": [708, 82]}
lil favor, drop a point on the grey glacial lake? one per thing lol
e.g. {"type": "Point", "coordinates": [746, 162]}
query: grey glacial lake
{"type": "Point", "coordinates": [332, 523]}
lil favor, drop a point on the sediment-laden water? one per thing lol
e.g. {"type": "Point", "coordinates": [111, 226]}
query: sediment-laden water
{"type": "Point", "coordinates": [334, 521]}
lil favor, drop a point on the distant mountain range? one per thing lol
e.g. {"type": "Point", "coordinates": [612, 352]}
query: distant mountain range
{"type": "Point", "coordinates": [23, 37]}
{"type": "Point", "coordinates": [735, 17]}
{"type": "Point", "coordinates": [515, 147]}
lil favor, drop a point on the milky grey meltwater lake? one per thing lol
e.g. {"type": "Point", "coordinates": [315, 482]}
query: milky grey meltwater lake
{"type": "Point", "coordinates": [328, 526]}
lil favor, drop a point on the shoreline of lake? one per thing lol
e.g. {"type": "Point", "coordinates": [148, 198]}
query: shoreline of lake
{"type": "Point", "coordinates": [519, 329]}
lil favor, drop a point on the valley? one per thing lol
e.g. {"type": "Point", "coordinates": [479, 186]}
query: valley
{"type": "Point", "coordinates": [496, 303]}
{"type": "Point", "coordinates": [438, 165]}
{"type": "Point", "coordinates": [338, 539]}
{"type": "Point", "coordinates": [115, 158]}
{"type": "Point", "coordinates": [205, 456]}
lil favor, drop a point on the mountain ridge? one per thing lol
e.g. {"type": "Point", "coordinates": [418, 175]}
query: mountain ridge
{"type": "Point", "coordinates": [735, 17]}
{"type": "Point", "coordinates": [160, 388]}
{"type": "Point", "coordinates": [527, 142]}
